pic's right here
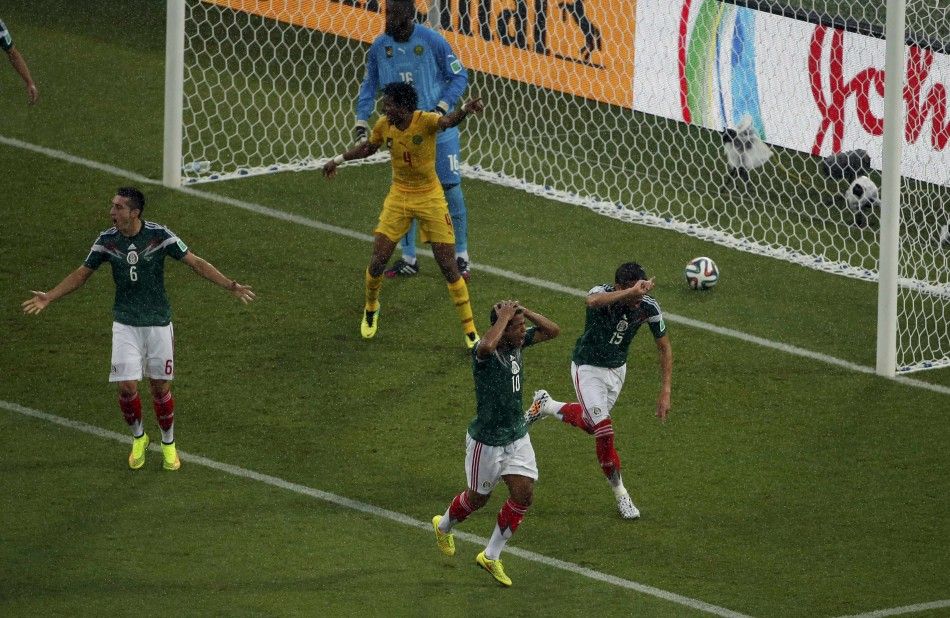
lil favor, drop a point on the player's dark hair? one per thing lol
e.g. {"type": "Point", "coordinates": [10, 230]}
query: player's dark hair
{"type": "Point", "coordinates": [493, 316]}
{"type": "Point", "coordinates": [629, 272]}
{"type": "Point", "coordinates": [403, 95]}
{"type": "Point", "coordinates": [136, 198]}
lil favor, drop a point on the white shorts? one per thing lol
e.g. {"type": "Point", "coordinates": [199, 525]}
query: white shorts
{"type": "Point", "coordinates": [138, 348]}
{"type": "Point", "coordinates": [485, 465]}
{"type": "Point", "coordinates": [597, 390]}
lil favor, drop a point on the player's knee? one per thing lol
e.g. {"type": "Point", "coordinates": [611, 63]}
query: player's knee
{"type": "Point", "coordinates": [477, 500]}
{"type": "Point", "coordinates": [159, 388]}
{"type": "Point", "coordinates": [128, 390]}
{"type": "Point", "coordinates": [445, 256]}
{"type": "Point", "coordinates": [521, 490]}
{"type": "Point", "coordinates": [524, 497]}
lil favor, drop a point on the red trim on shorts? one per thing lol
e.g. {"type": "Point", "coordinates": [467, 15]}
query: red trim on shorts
{"type": "Point", "coordinates": [476, 458]}
{"type": "Point", "coordinates": [580, 396]}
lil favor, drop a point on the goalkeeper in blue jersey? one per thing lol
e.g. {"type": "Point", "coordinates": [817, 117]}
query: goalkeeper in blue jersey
{"type": "Point", "coordinates": [413, 54]}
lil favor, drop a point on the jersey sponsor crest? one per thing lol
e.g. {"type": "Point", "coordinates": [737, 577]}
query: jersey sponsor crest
{"type": "Point", "coordinates": [418, 50]}
{"type": "Point", "coordinates": [132, 257]}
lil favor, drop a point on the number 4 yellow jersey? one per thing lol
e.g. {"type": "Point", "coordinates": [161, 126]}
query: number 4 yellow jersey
{"type": "Point", "coordinates": [412, 150]}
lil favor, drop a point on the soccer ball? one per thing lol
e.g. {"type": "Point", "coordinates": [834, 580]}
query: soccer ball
{"type": "Point", "coordinates": [701, 273]}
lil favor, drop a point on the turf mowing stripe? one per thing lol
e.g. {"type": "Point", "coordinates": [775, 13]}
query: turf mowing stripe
{"type": "Point", "coordinates": [507, 274]}
{"type": "Point", "coordinates": [906, 609]}
{"type": "Point", "coordinates": [378, 512]}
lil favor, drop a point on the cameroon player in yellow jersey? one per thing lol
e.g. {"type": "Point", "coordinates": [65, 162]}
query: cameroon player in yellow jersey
{"type": "Point", "coordinates": [416, 193]}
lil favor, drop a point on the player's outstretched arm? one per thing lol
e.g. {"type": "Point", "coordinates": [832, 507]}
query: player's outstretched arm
{"type": "Point", "coordinates": [359, 151]}
{"type": "Point", "coordinates": [547, 328]}
{"type": "Point", "coordinates": [71, 283]}
{"type": "Point", "coordinates": [472, 106]}
{"type": "Point", "coordinates": [665, 353]}
{"type": "Point", "coordinates": [19, 64]}
{"type": "Point", "coordinates": [204, 268]}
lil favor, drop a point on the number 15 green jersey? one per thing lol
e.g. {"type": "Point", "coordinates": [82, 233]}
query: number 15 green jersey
{"type": "Point", "coordinates": [609, 330]}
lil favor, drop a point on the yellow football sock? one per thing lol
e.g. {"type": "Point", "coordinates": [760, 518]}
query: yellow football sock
{"type": "Point", "coordinates": [458, 291]}
{"type": "Point", "coordinates": [373, 284]}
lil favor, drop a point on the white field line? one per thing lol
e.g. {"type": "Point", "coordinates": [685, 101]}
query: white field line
{"type": "Point", "coordinates": [284, 216]}
{"type": "Point", "coordinates": [376, 511]}
{"type": "Point", "coordinates": [906, 609]}
{"type": "Point", "coordinates": [513, 276]}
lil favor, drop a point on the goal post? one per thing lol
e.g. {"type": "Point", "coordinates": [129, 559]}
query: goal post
{"type": "Point", "coordinates": [889, 249]}
{"type": "Point", "coordinates": [754, 124]}
{"type": "Point", "coordinates": [174, 92]}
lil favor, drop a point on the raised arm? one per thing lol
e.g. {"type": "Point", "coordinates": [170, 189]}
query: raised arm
{"type": "Point", "coordinates": [212, 274]}
{"type": "Point", "coordinates": [547, 328]}
{"type": "Point", "coordinates": [505, 310]}
{"type": "Point", "coordinates": [472, 106]}
{"type": "Point", "coordinates": [71, 283]}
{"type": "Point", "coordinates": [638, 290]}
{"type": "Point", "coordinates": [665, 353]}
{"type": "Point", "coordinates": [359, 151]}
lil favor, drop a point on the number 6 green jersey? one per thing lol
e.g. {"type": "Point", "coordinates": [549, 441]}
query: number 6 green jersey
{"type": "Point", "coordinates": [609, 330]}
{"type": "Point", "coordinates": [138, 269]}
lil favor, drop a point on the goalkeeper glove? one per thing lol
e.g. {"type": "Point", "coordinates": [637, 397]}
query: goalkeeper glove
{"type": "Point", "coordinates": [360, 133]}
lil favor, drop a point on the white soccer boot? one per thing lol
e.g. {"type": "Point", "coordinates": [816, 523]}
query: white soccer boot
{"type": "Point", "coordinates": [626, 507]}
{"type": "Point", "coordinates": [541, 406]}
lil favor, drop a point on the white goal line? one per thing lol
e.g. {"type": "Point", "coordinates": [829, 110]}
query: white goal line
{"type": "Point", "coordinates": [513, 276]}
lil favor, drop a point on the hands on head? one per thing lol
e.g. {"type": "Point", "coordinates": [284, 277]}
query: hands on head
{"type": "Point", "coordinates": [507, 309]}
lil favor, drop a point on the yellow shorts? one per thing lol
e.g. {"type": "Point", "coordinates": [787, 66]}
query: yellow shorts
{"type": "Point", "coordinates": [429, 209]}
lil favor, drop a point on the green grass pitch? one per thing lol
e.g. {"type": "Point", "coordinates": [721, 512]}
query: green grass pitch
{"type": "Point", "coordinates": [781, 485]}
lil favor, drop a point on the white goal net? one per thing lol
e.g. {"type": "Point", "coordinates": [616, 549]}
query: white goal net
{"type": "Point", "coordinates": [747, 123]}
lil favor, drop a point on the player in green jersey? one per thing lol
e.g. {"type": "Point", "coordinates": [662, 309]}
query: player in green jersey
{"type": "Point", "coordinates": [142, 334]}
{"type": "Point", "coordinates": [599, 365]}
{"type": "Point", "coordinates": [497, 442]}
{"type": "Point", "coordinates": [18, 62]}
